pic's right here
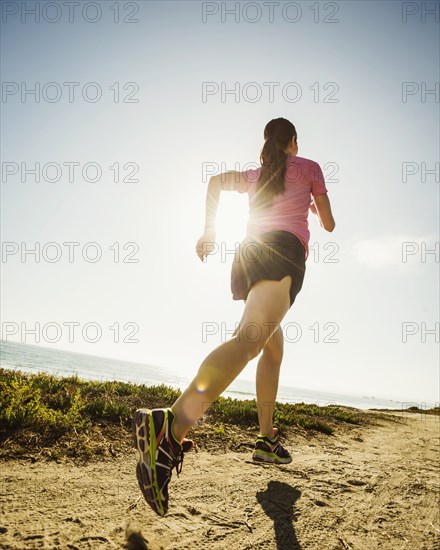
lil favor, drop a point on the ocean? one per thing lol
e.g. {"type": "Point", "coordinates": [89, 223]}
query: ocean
{"type": "Point", "coordinates": [32, 358]}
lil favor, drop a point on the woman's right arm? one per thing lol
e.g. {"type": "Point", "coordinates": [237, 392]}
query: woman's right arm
{"type": "Point", "coordinates": [227, 181]}
{"type": "Point", "coordinates": [324, 211]}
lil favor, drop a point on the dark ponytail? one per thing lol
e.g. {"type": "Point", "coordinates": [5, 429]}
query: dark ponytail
{"type": "Point", "coordinates": [278, 133]}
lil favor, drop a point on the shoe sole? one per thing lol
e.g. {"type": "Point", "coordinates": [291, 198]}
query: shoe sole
{"type": "Point", "coordinates": [270, 458]}
{"type": "Point", "coordinates": [144, 441]}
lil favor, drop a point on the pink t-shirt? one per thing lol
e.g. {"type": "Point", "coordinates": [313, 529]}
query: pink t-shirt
{"type": "Point", "coordinates": [289, 210]}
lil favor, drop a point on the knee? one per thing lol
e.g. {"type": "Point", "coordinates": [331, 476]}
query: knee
{"type": "Point", "coordinates": [273, 354]}
{"type": "Point", "coordinates": [256, 338]}
{"type": "Point", "coordinates": [273, 351]}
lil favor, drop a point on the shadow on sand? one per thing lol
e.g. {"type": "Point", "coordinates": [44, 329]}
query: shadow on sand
{"type": "Point", "coordinates": [135, 539]}
{"type": "Point", "coordinates": [278, 503]}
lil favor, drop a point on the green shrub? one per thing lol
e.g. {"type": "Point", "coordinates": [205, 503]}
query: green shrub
{"type": "Point", "coordinates": [55, 405]}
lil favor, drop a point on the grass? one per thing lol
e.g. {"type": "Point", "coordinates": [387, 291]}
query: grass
{"type": "Point", "coordinates": [309, 417]}
{"type": "Point", "coordinates": [413, 409]}
{"type": "Point", "coordinates": [46, 415]}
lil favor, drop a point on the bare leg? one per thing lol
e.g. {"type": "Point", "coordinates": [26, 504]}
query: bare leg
{"type": "Point", "coordinates": [266, 306]}
{"type": "Point", "coordinates": [268, 371]}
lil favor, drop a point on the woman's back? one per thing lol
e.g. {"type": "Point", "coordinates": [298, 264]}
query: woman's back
{"type": "Point", "coordinates": [289, 210]}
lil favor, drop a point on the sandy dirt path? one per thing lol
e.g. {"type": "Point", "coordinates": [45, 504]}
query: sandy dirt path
{"type": "Point", "coordinates": [376, 487]}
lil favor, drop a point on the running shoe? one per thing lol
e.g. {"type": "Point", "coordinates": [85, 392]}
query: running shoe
{"type": "Point", "coordinates": [159, 453]}
{"type": "Point", "coordinates": [270, 450]}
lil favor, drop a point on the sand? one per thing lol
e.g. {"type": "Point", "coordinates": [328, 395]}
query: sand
{"type": "Point", "coordinates": [374, 487]}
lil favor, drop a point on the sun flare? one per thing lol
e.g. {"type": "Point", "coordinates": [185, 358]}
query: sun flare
{"type": "Point", "coordinates": [232, 216]}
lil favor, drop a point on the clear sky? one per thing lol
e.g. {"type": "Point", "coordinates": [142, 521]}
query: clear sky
{"type": "Point", "coordinates": [354, 78]}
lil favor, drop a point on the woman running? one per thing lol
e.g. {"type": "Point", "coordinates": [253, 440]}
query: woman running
{"type": "Point", "coordinates": [267, 273]}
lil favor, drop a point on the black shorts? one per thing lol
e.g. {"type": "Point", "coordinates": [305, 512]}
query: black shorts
{"type": "Point", "coordinates": [272, 256]}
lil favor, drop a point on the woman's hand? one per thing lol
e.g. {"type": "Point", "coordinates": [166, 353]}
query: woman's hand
{"type": "Point", "coordinates": [205, 245]}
